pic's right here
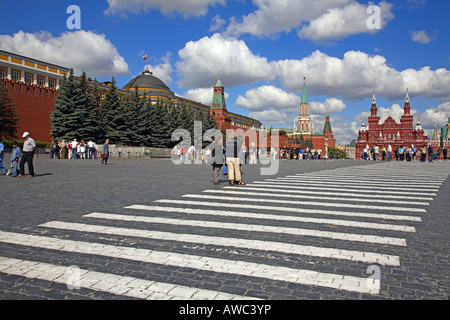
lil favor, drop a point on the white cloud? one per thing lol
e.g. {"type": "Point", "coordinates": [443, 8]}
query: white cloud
{"type": "Point", "coordinates": [163, 70]}
{"type": "Point", "coordinates": [344, 132]}
{"type": "Point", "coordinates": [274, 16]}
{"type": "Point", "coordinates": [217, 23]}
{"type": "Point", "coordinates": [340, 22]}
{"type": "Point", "coordinates": [438, 115]}
{"type": "Point", "coordinates": [331, 105]}
{"type": "Point", "coordinates": [202, 95]}
{"type": "Point", "coordinates": [422, 36]}
{"type": "Point", "coordinates": [81, 50]}
{"type": "Point", "coordinates": [317, 20]}
{"type": "Point", "coordinates": [358, 73]}
{"type": "Point", "coordinates": [353, 76]}
{"type": "Point", "coordinates": [185, 7]}
{"type": "Point", "coordinates": [222, 56]}
{"type": "Point", "coordinates": [272, 117]}
{"type": "Point", "coordinates": [268, 97]}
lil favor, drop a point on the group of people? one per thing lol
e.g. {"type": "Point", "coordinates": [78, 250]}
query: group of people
{"type": "Point", "coordinates": [408, 153]}
{"type": "Point", "coordinates": [18, 158]}
{"type": "Point", "coordinates": [245, 156]}
{"type": "Point", "coordinates": [295, 153]}
{"type": "Point", "coordinates": [73, 149]}
{"type": "Point", "coordinates": [227, 155]}
{"type": "Point", "coordinates": [79, 150]}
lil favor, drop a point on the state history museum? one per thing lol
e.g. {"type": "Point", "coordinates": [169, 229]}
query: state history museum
{"type": "Point", "coordinates": [390, 132]}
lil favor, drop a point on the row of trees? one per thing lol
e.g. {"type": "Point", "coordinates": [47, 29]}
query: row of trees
{"type": "Point", "coordinates": [82, 112]}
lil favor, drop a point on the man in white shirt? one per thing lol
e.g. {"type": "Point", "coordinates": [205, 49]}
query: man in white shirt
{"type": "Point", "coordinates": [74, 144]}
{"type": "Point", "coordinates": [29, 147]}
{"type": "Point", "coordinates": [90, 149]}
{"type": "Point", "coordinates": [389, 150]}
{"type": "Point", "coordinates": [376, 152]}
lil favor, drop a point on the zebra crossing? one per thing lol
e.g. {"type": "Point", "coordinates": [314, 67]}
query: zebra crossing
{"type": "Point", "coordinates": [360, 216]}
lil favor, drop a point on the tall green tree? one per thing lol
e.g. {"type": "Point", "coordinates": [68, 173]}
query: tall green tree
{"type": "Point", "coordinates": [95, 99]}
{"type": "Point", "coordinates": [87, 113]}
{"type": "Point", "coordinates": [70, 109]}
{"type": "Point", "coordinates": [8, 117]}
{"type": "Point", "coordinates": [113, 116]}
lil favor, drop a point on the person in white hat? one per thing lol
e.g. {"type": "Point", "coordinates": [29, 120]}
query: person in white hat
{"type": "Point", "coordinates": [29, 147]}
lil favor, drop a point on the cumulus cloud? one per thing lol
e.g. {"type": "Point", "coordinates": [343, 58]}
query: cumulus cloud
{"type": "Point", "coordinates": [353, 76]}
{"type": "Point", "coordinates": [272, 117]}
{"type": "Point", "coordinates": [81, 50]}
{"type": "Point", "coordinates": [438, 115]}
{"type": "Point", "coordinates": [189, 8]}
{"type": "Point", "coordinates": [202, 95]}
{"type": "Point", "coordinates": [331, 105]}
{"type": "Point", "coordinates": [340, 22]}
{"type": "Point", "coordinates": [222, 56]}
{"type": "Point", "coordinates": [420, 36]}
{"type": "Point", "coordinates": [358, 73]}
{"type": "Point", "coordinates": [163, 70]}
{"type": "Point", "coordinates": [268, 97]}
{"type": "Point", "coordinates": [316, 20]}
{"type": "Point", "coordinates": [274, 16]}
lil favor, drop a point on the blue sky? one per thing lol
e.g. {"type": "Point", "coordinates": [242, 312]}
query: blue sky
{"type": "Point", "coordinates": [261, 50]}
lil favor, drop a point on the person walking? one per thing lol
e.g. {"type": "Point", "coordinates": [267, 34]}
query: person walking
{"type": "Point", "coordinates": [232, 156]}
{"type": "Point", "coordinates": [217, 157]}
{"type": "Point", "coordinates": [15, 156]}
{"type": "Point", "coordinates": [430, 153]}
{"type": "Point", "coordinates": [105, 155]}
{"type": "Point", "coordinates": [252, 152]}
{"type": "Point", "coordinates": [29, 147]}
{"type": "Point", "coordinates": [2, 154]}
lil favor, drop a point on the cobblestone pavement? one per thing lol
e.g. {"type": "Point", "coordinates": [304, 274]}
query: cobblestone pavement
{"type": "Point", "coordinates": [149, 229]}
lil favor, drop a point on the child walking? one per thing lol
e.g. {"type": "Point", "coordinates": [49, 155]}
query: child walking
{"type": "Point", "coordinates": [15, 155]}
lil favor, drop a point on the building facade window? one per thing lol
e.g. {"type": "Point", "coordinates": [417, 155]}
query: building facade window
{"type": "Point", "coordinates": [15, 75]}
{"type": "Point", "coordinates": [52, 83]}
{"type": "Point", "coordinates": [29, 78]}
{"type": "Point", "coordinates": [41, 81]}
{"type": "Point", "coordinates": [3, 73]}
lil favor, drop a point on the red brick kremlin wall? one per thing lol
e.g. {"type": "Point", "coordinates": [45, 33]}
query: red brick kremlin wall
{"type": "Point", "coordinates": [33, 106]}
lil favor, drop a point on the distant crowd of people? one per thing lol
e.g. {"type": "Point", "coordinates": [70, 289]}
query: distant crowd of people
{"type": "Point", "coordinates": [408, 153]}
{"type": "Point", "coordinates": [79, 150]}
{"type": "Point", "coordinates": [73, 149]}
{"type": "Point", "coordinates": [246, 155]}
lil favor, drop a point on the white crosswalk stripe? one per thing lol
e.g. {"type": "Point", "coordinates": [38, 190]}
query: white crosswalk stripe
{"type": "Point", "coordinates": [296, 212]}
{"type": "Point", "coordinates": [108, 282]}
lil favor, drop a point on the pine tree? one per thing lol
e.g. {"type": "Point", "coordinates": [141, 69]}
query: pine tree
{"type": "Point", "coordinates": [95, 99]}
{"type": "Point", "coordinates": [135, 107]}
{"type": "Point", "coordinates": [66, 118]}
{"type": "Point", "coordinates": [90, 128]}
{"type": "Point", "coordinates": [8, 116]}
{"type": "Point", "coordinates": [113, 116]}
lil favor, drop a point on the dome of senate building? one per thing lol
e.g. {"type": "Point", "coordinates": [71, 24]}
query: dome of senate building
{"type": "Point", "coordinates": [152, 86]}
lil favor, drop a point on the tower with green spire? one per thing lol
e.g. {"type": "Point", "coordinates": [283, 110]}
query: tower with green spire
{"type": "Point", "coordinates": [219, 96]}
{"type": "Point", "coordinates": [304, 119]}
{"type": "Point", "coordinates": [219, 107]}
{"type": "Point", "coordinates": [327, 127]}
